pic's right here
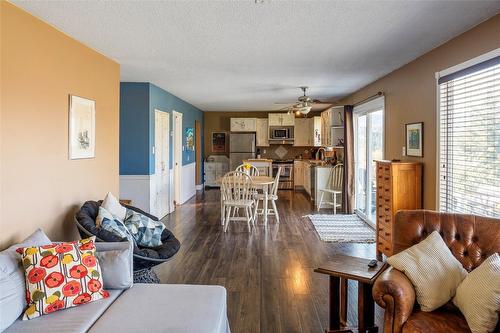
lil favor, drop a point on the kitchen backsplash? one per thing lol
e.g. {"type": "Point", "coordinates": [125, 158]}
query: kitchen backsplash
{"type": "Point", "coordinates": [283, 152]}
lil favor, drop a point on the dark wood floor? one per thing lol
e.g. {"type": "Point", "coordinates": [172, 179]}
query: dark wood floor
{"type": "Point", "coordinates": [268, 272]}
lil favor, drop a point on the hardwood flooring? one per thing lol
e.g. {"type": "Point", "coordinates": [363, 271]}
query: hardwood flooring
{"type": "Point", "coordinates": [268, 272]}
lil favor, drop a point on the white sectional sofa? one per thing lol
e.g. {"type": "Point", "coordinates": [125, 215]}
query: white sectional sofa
{"type": "Point", "coordinates": [172, 308]}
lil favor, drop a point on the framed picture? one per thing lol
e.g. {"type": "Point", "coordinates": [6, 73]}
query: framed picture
{"type": "Point", "coordinates": [219, 142]}
{"type": "Point", "coordinates": [190, 138]}
{"type": "Point", "coordinates": [415, 139]}
{"type": "Point", "coordinates": [81, 127]}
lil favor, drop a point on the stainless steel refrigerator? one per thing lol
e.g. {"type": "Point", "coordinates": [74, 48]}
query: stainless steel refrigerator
{"type": "Point", "coordinates": [241, 147]}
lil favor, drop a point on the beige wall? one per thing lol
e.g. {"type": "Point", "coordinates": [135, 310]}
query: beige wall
{"type": "Point", "coordinates": [40, 67]}
{"type": "Point", "coordinates": [410, 95]}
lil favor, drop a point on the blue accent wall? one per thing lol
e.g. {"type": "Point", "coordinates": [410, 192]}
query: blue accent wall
{"type": "Point", "coordinates": [134, 126]}
{"type": "Point", "coordinates": [156, 99]}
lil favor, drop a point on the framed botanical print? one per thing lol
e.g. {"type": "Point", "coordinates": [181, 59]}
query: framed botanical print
{"type": "Point", "coordinates": [81, 127]}
{"type": "Point", "coordinates": [415, 139]}
{"type": "Point", "coordinates": [219, 142]}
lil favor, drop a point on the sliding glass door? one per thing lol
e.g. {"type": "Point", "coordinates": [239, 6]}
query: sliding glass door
{"type": "Point", "coordinates": [368, 146]}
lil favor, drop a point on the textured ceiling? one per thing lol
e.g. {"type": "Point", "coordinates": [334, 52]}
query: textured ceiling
{"type": "Point", "coordinates": [239, 55]}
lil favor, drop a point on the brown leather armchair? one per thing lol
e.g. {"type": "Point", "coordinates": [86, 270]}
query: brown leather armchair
{"type": "Point", "coordinates": [470, 238]}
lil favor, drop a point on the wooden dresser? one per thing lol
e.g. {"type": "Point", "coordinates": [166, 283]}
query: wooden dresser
{"type": "Point", "coordinates": [399, 186]}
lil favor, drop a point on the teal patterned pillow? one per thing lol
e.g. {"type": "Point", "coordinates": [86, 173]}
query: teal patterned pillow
{"type": "Point", "coordinates": [107, 221]}
{"type": "Point", "coordinates": [145, 231]}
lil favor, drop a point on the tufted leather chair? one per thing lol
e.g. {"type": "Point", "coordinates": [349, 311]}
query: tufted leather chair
{"type": "Point", "coordinates": [470, 238]}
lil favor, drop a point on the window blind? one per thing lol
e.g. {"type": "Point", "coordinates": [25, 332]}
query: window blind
{"type": "Point", "coordinates": [469, 155]}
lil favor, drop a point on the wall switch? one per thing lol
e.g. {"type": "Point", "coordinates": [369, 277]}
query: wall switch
{"type": "Point", "coordinates": [403, 151]}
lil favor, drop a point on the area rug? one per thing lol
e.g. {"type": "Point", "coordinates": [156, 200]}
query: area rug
{"type": "Point", "coordinates": [342, 228]}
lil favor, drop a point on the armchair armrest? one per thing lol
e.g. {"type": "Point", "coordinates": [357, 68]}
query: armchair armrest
{"type": "Point", "coordinates": [394, 292]}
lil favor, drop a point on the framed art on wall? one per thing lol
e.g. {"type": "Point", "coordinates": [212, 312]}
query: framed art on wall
{"type": "Point", "coordinates": [190, 138]}
{"type": "Point", "coordinates": [81, 127]}
{"type": "Point", "coordinates": [415, 139]}
{"type": "Point", "coordinates": [219, 142]}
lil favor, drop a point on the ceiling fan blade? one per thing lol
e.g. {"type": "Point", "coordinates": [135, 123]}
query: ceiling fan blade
{"type": "Point", "coordinates": [317, 101]}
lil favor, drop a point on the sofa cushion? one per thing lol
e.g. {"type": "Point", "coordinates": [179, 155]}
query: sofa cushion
{"type": "Point", "coordinates": [432, 269]}
{"type": "Point", "coordinates": [12, 287]}
{"type": "Point", "coordinates": [173, 308]}
{"type": "Point", "coordinates": [116, 261]}
{"type": "Point", "coordinates": [478, 296]}
{"type": "Point", "coordinates": [61, 275]}
{"type": "Point", "coordinates": [77, 319]}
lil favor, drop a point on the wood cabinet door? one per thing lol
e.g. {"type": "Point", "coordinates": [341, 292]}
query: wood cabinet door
{"type": "Point", "coordinates": [287, 119]}
{"type": "Point", "coordinates": [301, 132]}
{"type": "Point", "coordinates": [274, 119]}
{"type": "Point", "coordinates": [243, 124]}
{"type": "Point", "coordinates": [262, 132]}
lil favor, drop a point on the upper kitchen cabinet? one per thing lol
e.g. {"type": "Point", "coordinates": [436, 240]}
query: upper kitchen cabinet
{"type": "Point", "coordinates": [332, 122]}
{"type": "Point", "coordinates": [303, 135]}
{"type": "Point", "coordinates": [315, 130]}
{"type": "Point", "coordinates": [243, 124]}
{"type": "Point", "coordinates": [281, 119]}
{"type": "Point", "coordinates": [262, 132]}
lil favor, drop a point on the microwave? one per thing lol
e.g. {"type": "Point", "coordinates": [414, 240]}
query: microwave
{"type": "Point", "coordinates": [281, 133]}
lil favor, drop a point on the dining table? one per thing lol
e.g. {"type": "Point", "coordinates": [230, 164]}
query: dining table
{"type": "Point", "coordinates": [261, 182]}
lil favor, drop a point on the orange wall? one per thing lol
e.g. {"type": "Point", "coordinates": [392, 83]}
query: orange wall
{"type": "Point", "coordinates": [40, 186]}
{"type": "Point", "coordinates": [410, 95]}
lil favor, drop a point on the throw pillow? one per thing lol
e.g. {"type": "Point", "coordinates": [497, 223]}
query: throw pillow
{"type": "Point", "coordinates": [112, 205]}
{"type": "Point", "coordinates": [146, 232]}
{"type": "Point", "coordinates": [60, 276]}
{"type": "Point", "coordinates": [478, 296]}
{"type": "Point", "coordinates": [110, 223]}
{"type": "Point", "coordinates": [12, 288]}
{"type": "Point", "coordinates": [432, 269]}
{"type": "Point", "coordinates": [116, 262]}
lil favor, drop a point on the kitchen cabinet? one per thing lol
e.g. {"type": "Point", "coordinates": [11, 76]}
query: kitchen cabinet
{"type": "Point", "coordinates": [243, 124]}
{"type": "Point", "coordinates": [315, 131]}
{"type": "Point", "coordinates": [262, 132]}
{"type": "Point", "coordinates": [331, 123]}
{"type": "Point", "coordinates": [281, 119]}
{"type": "Point", "coordinates": [302, 132]}
{"type": "Point", "coordinates": [298, 173]}
{"type": "Point", "coordinates": [307, 177]}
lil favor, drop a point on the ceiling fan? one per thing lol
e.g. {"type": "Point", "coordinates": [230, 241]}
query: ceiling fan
{"type": "Point", "coordinates": [304, 103]}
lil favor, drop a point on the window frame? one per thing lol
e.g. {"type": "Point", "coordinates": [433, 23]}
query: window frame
{"type": "Point", "coordinates": [451, 70]}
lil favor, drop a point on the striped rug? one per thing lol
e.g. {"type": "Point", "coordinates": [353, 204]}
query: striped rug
{"type": "Point", "coordinates": [342, 228]}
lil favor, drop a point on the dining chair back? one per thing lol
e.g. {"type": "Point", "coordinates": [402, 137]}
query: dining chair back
{"type": "Point", "coordinates": [237, 191]}
{"type": "Point", "coordinates": [249, 169]}
{"type": "Point", "coordinates": [333, 187]}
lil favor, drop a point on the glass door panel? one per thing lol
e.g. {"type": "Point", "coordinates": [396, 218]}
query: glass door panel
{"type": "Point", "coordinates": [360, 172]}
{"type": "Point", "coordinates": [369, 146]}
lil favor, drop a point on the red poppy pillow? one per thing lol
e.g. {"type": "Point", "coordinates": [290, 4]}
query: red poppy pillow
{"type": "Point", "coordinates": [60, 276]}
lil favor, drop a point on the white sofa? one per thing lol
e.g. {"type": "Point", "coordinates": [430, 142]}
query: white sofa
{"type": "Point", "coordinates": [172, 308]}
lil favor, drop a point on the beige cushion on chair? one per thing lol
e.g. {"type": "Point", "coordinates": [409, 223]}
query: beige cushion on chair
{"type": "Point", "coordinates": [478, 296]}
{"type": "Point", "coordinates": [433, 270]}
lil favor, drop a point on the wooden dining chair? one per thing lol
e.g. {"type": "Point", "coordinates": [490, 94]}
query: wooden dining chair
{"type": "Point", "coordinates": [333, 187]}
{"type": "Point", "coordinates": [237, 191]}
{"type": "Point", "coordinates": [271, 197]}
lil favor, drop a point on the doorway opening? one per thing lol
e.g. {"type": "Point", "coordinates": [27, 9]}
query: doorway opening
{"type": "Point", "coordinates": [177, 157]}
{"type": "Point", "coordinates": [197, 152]}
{"type": "Point", "coordinates": [368, 146]}
{"type": "Point", "coordinates": [162, 169]}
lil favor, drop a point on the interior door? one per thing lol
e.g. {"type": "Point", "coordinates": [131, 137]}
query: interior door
{"type": "Point", "coordinates": [161, 200]}
{"type": "Point", "coordinates": [368, 146]}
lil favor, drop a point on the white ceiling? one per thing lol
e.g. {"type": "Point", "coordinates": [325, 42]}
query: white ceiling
{"type": "Point", "coordinates": [239, 55]}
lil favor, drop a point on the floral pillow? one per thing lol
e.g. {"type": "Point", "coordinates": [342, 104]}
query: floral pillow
{"type": "Point", "coordinates": [60, 276]}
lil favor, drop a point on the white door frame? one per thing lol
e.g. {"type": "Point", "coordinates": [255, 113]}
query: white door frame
{"type": "Point", "coordinates": [177, 157]}
{"type": "Point", "coordinates": [364, 110]}
{"type": "Point", "coordinates": [162, 152]}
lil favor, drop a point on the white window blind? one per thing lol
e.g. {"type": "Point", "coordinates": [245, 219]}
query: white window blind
{"type": "Point", "coordinates": [470, 140]}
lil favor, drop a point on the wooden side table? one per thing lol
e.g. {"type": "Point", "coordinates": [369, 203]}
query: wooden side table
{"type": "Point", "coordinates": [341, 269]}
